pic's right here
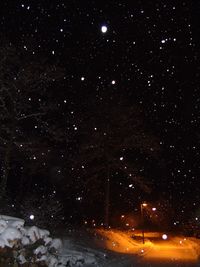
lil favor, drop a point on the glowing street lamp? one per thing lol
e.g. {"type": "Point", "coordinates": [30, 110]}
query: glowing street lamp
{"type": "Point", "coordinates": [142, 206]}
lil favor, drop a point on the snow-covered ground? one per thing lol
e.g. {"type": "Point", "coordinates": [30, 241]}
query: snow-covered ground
{"type": "Point", "coordinates": [90, 247]}
{"type": "Point", "coordinates": [100, 248]}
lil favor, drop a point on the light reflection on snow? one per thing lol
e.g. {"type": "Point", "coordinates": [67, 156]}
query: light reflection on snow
{"type": "Point", "coordinates": [155, 248]}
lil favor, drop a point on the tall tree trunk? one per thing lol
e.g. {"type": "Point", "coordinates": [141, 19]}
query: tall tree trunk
{"type": "Point", "coordinates": [5, 169]}
{"type": "Point", "coordinates": [107, 200]}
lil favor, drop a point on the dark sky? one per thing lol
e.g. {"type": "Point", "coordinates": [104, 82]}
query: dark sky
{"type": "Point", "coordinates": [149, 55]}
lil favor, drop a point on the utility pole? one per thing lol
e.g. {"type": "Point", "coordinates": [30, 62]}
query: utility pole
{"type": "Point", "coordinates": [142, 206]}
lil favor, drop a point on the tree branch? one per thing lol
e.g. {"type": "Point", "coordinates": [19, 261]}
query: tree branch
{"type": "Point", "coordinates": [30, 116]}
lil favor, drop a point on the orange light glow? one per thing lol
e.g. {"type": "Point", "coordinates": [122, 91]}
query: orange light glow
{"type": "Point", "coordinates": [119, 241]}
{"type": "Point", "coordinates": [155, 248]}
{"type": "Point", "coordinates": [144, 204]}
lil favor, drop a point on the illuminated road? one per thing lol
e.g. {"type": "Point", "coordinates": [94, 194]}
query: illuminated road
{"type": "Point", "coordinates": [175, 251]}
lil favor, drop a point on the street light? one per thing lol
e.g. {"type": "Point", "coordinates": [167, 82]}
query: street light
{"type": "Point", "coordinates": [142, 206]}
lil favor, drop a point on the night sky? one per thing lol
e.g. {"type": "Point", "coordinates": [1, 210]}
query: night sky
{"type": "Point", "coordinates": [114, 55]}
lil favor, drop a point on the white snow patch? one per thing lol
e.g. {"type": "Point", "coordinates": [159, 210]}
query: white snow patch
{"type": "Point", "coordinates": [3, 226]}
{"type": "Point", "coordinates": [40, 250]}
{"type": "Point", "coordinates": [10, 234]}
{"type": "Point", "coordinates": [56, 244]}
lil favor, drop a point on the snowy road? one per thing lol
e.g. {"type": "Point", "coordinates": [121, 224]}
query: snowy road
{"type": "Point", "coordinates": [119, 249]}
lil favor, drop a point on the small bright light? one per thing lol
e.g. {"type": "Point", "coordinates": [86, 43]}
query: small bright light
{"type": "Point", "coordinates": [153, 209]}
{"type": "Point", "coordinates": [142, 250]}
{"type": "Point", "coordinates": [164, 237]}
{"type": "Point", "coordinates": [104, 29]}
{"type": "Point", "coordinates": [121, 158]}
{"type": "Point", "coordinates": [32, 217]}
{"type": "Point", "coordinates": [144, 204]}
{"type": "Point", "coordinates": [82, 78]}
{"type": "Point", "coordinates": [113, 82]}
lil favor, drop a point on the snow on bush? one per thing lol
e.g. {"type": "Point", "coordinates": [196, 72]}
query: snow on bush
{"type": "Point", "coordinates": [3, 226]}
{"type": "Point", "coordinates": [22, 244]}
{"type": "Point", "coordinates": [28, 244]}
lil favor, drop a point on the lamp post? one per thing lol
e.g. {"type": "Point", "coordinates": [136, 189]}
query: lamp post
{"type": "Point", "coordinates": [142, 206]}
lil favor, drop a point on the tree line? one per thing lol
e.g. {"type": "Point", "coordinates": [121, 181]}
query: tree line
{"type": "Point", "coordinates": [110, 144]}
